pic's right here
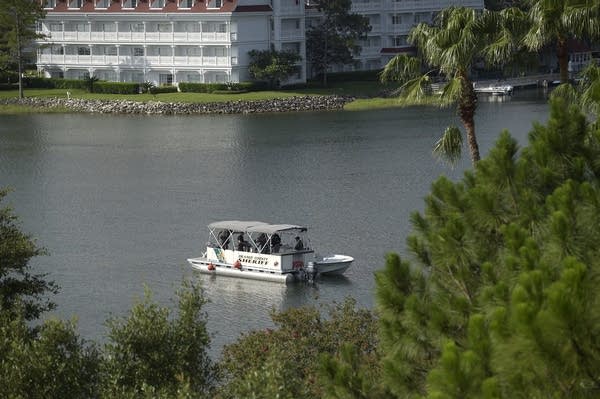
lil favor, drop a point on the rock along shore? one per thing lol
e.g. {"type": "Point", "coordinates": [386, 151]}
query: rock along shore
{"type": "Point", "coordinates": [290, 104]}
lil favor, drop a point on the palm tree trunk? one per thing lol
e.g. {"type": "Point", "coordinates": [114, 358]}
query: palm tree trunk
{"type": "Point", "coordinates": [466, 110]}
{"type": "Point", "coordinates": [562, 54]}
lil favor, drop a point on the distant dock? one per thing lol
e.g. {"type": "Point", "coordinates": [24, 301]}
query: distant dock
{"type": "Point", "coordinates": [522, 82]}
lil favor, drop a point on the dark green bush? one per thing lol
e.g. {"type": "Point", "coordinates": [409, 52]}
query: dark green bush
{"type": "Point", "coordinates": [354, 76]}
{"type": "Point", "coordinates": [116, 88]}
{"type": "Point", "coordinates": [9, 86]}
{"type": "Point", "coordinates": [163, 89]}
{"type": "Point", "coordinates": [53, 83]}
{"type": "Point", "coordinates": [186, 87]}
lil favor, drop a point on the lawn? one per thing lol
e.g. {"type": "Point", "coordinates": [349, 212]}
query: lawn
{"type": "Point", "coordinates": [368, 94]}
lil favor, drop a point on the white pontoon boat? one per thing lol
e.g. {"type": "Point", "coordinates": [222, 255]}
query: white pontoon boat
{"type": "Point", "coordinates": [261, 251]}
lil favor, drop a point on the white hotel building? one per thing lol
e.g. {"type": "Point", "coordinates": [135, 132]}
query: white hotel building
{"type": "Point", "coordinates": [172, 41]}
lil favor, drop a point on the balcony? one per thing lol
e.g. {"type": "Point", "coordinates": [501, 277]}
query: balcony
{"type": "Point", "coordinates": [433, 5]}
{"type": "Point", "coordinates": [139, 37]}
{"type": "Point", "coordinates": [361, 6]}
{"type": "Point", "coordinates": [129, 60]}
{"type": "Point", "coordinates": [296, 34]}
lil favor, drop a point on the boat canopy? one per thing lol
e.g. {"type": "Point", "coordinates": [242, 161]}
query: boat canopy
{"type": "Point", "coordinates": [254, 227]}
{"type": "Point", "coordinates": [275, 228]}
{"type": "Point", "coordinates": [234, 225]}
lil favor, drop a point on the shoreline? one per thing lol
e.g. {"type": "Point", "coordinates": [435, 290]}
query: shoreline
{"type": "Point", "coordinates": [290, 104]}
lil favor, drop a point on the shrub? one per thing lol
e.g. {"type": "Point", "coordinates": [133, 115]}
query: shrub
{"type": "Point", "coordinates": [162, 89]}
{"type": "Point", "coordinates": [187, 87]}
{"type": "Point", "coordinates": [116, 88]}
{"type": "Point", "coordinates": [9, 86]}
{"type": "Point", "coordinates": [54, 83]}
{"type": "Point", "coordinates": [369, 76]}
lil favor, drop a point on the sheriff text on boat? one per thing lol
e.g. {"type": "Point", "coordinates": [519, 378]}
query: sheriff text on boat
{"type": "Point", "coordinates": [262, 251]}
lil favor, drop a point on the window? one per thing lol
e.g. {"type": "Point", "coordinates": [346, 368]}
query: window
{"type": "Point", "coordinates": [138, 51]}
{"type": "Point", "coordinates": [76, 4]}
{"type": "Point", "coordinates": [102, 3]}
{"type": "Point", "coordinates": [54, 27]}
{"type": "Point", "coordinates": [50, 4]}
{"type": "Point", "coordinates": [164, 27]}
{"type": "Point", "coordinates": [215, 3]}
{"type": "Point", "coordinates": [165, 79]}
{"type": "Point", "coordinates": [158, 4]}
{"type": "Point", "coordinates": [83, 51]}
{"type": "Point", "coordinates": [399, 41]}
{"type": "Point", "coordinates": [137, 27]}
{"type": "Point", "coordinates": [397, 19]}
{"type": "Point", "coordinates": [186, 4]}
{"type": "Point", "coordinates": [110, 51]}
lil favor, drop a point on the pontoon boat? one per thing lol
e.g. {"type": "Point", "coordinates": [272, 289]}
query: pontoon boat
{"type": "Point", "coordinates": [262, 251]}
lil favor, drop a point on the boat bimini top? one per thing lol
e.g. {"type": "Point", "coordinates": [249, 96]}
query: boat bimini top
{"type": "Point", "coordinates": [253, 229]}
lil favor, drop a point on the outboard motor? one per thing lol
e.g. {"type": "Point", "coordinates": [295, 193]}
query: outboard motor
{"type": "Point", "coordinates": [311, 271]}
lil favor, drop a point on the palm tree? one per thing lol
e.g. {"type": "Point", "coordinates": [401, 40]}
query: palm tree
{"type": "Point", "coordinates": [459, 37]}
{"type": "Point", "coordinates": [557, 21]}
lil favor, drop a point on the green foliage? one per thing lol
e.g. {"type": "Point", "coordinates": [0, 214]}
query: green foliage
{"type": "Point", "coordinates": [459, 37]}
{"type": "Point", "coordinates": [18, 20]}
{"type": "Point", "coordinates": [335, 39]}
{"type": "Point", "coordinates": [272, 66]}
{"type": "Point", "coordinates": [151, 354]}
{"type": "Point", "coordinates": [19, 287]}
{"type": "Point", "coordinates": [502, 300]}
{"type": "Point", "coordinates": [90, 82]}
{"type": "Point", "coordinates": [201, 87]}
{"type": "Point", "coordinates": [284, 362]}
{"type": "Point", "coordinates": [163, 89]}
{"type": "Point", "coordinates": [556, 22]}
{"type": "Point", "coordinates": [449, 147]}
{"type": "Point", "coordinates": [51, 362]}
{"type": "Point", "coordinates": [116, 87]}
{"type": "Point", "coordinates": [54, 83]}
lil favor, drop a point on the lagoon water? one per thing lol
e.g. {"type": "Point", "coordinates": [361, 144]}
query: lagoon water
{"type": "Point", "coordinates": [120, 202]}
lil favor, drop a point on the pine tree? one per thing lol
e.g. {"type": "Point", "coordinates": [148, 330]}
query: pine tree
{"type": "Point", "coordinates": [501, 300]}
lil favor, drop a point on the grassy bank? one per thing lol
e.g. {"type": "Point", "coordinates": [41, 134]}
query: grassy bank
{"type": "Point", "coordinates": [13, 109]}
{"type": "Point", "coordinates": [364, 104]}
{"type": "Point", "coordinates": [362, 90]}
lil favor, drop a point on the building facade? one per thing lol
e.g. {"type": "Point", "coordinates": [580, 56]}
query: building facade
{"type": "Point", "coordinates": [172, 41]}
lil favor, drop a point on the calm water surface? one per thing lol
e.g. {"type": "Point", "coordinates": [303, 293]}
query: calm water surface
{"type": "Point", "coordinates": [121, 201]}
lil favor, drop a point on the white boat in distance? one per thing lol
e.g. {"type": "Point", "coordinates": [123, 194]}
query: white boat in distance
{"type": "Point", "coordinates": [497, 89]}
{"type": "Point", "coordinates": [262, 251]}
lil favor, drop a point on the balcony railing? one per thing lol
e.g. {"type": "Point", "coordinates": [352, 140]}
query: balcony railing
{"type": "Point", "coordinates": [412, 5]}
{"type": "Point", "coordinates": [129, 37]}
{"type": "Point", "coordinates": [129, 60]}
{"type": "Point", "coordinates": [366, 6]}
{"type": "Point", "coordinates": [292, 34]}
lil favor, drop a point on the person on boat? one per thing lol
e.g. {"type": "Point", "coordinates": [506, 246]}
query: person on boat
{"type": "Point", "coordinates": [242, 244]}
{"type": "Point", "coordinates": [261, 241]}
{"type": "Point", "coordinates": [299, 244]}
{"type": "Point", "coordinates": [275, 242]}
{"type": "Point", "coordinates": [224, 239]}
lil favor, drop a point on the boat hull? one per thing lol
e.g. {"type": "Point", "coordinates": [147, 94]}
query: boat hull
{"type": "Point", "coordinates": [333, 264]}
{"type": "Point", "coordinates": [206, 266]}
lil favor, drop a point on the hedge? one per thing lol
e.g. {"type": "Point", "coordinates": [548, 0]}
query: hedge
{"type": "Point", "coordinates": [9, 86]}
{"type": "Point", "coordinates": [163, 89]}
{"type": "Point", "coordinates": [354, 76]}
{"type": "Point", "coordinates": [54, 83]}
{"type": "Point", "coordinates": [186, 87]}
{"type": "Point", "coordinates": [116, 88]}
